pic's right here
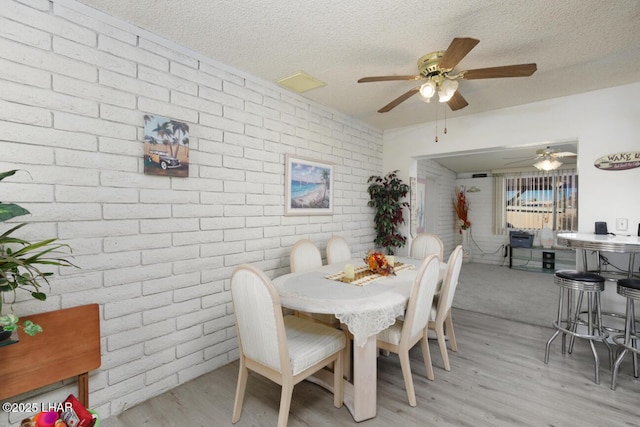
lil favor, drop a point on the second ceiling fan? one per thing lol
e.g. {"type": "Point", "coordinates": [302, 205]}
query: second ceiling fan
{"type": "Point", "coordinates": [437, 75]}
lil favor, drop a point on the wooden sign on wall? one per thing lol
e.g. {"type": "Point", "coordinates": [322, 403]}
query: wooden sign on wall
{"type": "Point", "coordinates": [619, 161]}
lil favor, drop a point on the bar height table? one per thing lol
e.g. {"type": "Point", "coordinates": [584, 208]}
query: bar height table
{"type": "Point", "coordinates": [585, 242]}
{"type": "Point", "coordinates": [602, 243]}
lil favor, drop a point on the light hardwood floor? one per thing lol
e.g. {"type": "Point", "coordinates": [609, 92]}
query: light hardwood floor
{"type": "Point", "coordinates": [497, 378]}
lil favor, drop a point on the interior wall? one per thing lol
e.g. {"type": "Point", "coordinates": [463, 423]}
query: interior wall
{"type": "Point", "coordinates": [485, 246]}
{"type": "Point", "coordinates": [157, 252]}
{"type": "Point", "coordinates": [604, 122]}
{"type": "Point", "coordinates": [438, 200]}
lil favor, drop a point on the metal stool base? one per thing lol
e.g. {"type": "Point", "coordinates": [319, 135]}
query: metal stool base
{"type": "Point", "coordinates": [627, 342]}
{"type": "Point", "coordinates": [567, 323]}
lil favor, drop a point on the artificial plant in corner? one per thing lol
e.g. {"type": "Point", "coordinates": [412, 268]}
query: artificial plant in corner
{"type": "Point", "coordinates": [386, 194]}
{"type": "Point", "coordinates": [20, 265]}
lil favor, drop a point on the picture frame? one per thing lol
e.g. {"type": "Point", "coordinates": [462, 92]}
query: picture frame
{"type": "Point", "coordinates": [421, 200]}
{"type": "Point", "coordinates": [166, 147]}
{"type": "Point", "coordinates": [308, 187]}
{"type": "Point", "coordinates": [413, 206]}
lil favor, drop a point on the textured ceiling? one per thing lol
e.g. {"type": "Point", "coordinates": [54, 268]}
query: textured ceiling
{"type": "Point", "coordinates": [579, 45]}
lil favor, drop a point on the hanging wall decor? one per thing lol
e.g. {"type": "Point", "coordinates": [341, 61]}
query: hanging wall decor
{"type": "Point", "coordinates": [619, 161]}
{"type": "Point", "coordinates": [413, 186]}
{"type": "Point", "coordinates": [422, 200]}
{"type": "Point", "coordinates": [166, 147]}
{"type": "Point", "coordinates": [308, 187]}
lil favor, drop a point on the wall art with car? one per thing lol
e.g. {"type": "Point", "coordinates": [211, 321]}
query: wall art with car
{"type": "Point", "coordinates": [166, 147]}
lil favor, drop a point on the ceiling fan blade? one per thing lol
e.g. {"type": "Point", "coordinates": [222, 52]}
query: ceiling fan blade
{"type": "Point", "coordinates": [457, 101]}
{"type": "Point", "coordinates": [519, 70]}
{"type": "Point", "coordinates": [565, 154]}
{"type": "Point", "coordinates": [393, 104]}
{"type": "Point", "coordinates": [520, 158]}
{"type": "Point", "coordinates": [458, 49]}
{"type": "Point", "coordinates": [528, 160]}
{"type": "Point", "coordinates": [388, 78]}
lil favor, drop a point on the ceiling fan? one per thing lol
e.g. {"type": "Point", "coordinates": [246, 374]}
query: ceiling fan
{"type": "Point", "coordinates": [547, 159]}
{"type": "Point", "coordinates": [437, 75]}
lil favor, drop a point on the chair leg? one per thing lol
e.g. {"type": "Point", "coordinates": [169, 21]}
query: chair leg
{"type": "Point", "coordinates": [450, 333]}
{"type": "Point", "coordinates": [408, 380]}
{"type": "Point", "coordinates": [601, 329]}
{"type": "Point", "coordinates": [575, 319]}
{"type": "Point", "coordinates": [546, 348]}
{"type": "Point", "coordinates": [426, 355]}
{"type": "Point", "coordinates": [285, 403]}
{"type": "Point", "coordinates": [442, 343]}
{"type": "Point", "coordinates": [346, 360]}
{"type": "Point", "coordinates": [338, 381]}
{"type": "Point", "coordinates": [243, 374]}
{"type": "Point", "coordinates": [634, 340]}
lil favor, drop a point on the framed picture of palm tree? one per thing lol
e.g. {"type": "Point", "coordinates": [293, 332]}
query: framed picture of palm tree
{"type": "Point", "coordinates": [308, 187]}
{"type": "Point", "coordinates": [166, 147]}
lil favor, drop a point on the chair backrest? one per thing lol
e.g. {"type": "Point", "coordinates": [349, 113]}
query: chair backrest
{"type": "Point", "coordinates": [426, 244]}
{"type": "Point", "coordinates": [259, 319]}
{"type": "Point", "coordinates": [449, 283]}
{"type": "Point", "coordinates": [304, 256]}
{"type": "Point", "coordinates": [338, 250]}
{"type": "Point", "coordinates": [422, 292]}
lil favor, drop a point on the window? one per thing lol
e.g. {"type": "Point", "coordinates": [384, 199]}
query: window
{"type": "Point", "coordinates": [531, 200]}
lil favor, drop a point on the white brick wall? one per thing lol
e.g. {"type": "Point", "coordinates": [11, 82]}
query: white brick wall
{"type": "Point", "coordinates": [156, 253]}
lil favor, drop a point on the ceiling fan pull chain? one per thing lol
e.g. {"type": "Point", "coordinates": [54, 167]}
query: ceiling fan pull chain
{"type": "Point", "coordinates": [445, 120]}
{"type": "Point", "coordinates": [436, 123]}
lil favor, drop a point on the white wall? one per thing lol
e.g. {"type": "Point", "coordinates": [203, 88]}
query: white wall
{"type": "Point", "coordinates": [603, 122]}
{"type": "Point", "coordinates": [155, 252]}
{"type": "Point", "coordinates": [438, 213]}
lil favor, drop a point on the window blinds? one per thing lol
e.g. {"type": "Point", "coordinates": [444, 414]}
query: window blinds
{"type": "Point", "coordinates": [532, 200]}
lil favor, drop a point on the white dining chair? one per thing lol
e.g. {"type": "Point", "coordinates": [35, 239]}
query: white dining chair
{"type": "Point", "coordinates": [440, 320]}
{"type": "Point", "coordinates": [338, 250]}
{"type": "Point", "coordinates": [400, 337]}
{"type": "Point", "coordinates": [284, 349]}
{"type": "Point", "coordinates": [426, 244]}
{"type": "Point", "coordinates": [305, 256]}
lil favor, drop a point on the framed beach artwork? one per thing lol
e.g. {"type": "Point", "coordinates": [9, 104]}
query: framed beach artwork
{"type": "Point", "coordinates": [308, 187]}
{"type": "Point", "coordinates": [166, 147]}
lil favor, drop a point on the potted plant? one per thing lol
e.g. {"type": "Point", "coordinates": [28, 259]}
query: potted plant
{"type": "Point", "coordinates": [386, 193]}
{"type": "Point", "coordinates": [20, 265]}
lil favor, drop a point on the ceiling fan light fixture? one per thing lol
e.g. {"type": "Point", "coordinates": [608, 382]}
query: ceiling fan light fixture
{"type": "Point", "coordinates": [547, 164]}
{"type": "Point", "coordinates": [447, 89]}
{"type": "Point", "coordinates": [428, 89]}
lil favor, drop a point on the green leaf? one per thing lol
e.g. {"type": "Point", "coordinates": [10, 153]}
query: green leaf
{"type": "Point", "coordinates": [31, 328]}
{"type": "Point", "coordinates": [39, 296]}
{"type": "Point", "coordinates": [10, 327]}
{"type": "Point", "coordinates": [11, 210]}
{"type": "Point", "coordinates": [3, 175]}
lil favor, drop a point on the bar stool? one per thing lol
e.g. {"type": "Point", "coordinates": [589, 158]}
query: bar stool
{"type": "Point", "coordinates": [629, 288]}
{"type": "Point", "coordinates": [591, 284]}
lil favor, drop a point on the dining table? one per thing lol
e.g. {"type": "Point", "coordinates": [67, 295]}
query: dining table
{"type": "Point", "coordinates": [364, 306]}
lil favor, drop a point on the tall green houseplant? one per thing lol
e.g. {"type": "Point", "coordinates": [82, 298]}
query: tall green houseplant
{"type": "Point", "coordinates": [386, 194]}
{"type": "Point", "coordinates": [20, 265]}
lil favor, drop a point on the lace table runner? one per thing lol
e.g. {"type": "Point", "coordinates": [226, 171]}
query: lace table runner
{"type": "Point", "coordinates": [364, 276]}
